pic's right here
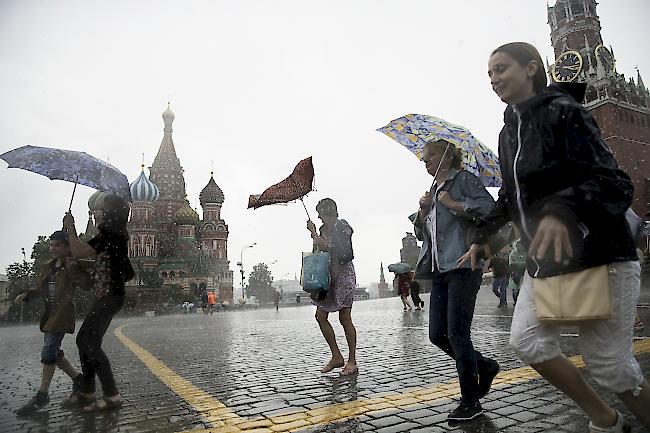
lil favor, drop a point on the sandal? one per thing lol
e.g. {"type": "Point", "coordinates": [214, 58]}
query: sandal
{"type": "Point", "coordinates": [103, 404]}
{"type": "Point", "coordinates": [351, 372]}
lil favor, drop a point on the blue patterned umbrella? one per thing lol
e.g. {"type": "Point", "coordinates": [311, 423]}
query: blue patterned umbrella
{"type": "Point", "coordinates": [414, 130]}
{"type": "Point", "coordinates": [70, 165]}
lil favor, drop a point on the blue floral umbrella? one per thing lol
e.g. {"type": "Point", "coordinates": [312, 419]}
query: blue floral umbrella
{"type": "Point", "coordinates": [71, 166]}
{"type": "Point", "coordinates": [414, 130]}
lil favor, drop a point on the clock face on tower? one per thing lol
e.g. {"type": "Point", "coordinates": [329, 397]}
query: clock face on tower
{"type": "Point", "coordinates": [605, 58]}
{"type": "Point", "coordinates": [567, 67]}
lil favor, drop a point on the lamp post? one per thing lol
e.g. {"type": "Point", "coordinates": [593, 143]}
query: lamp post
{"type": "Point", "coordinates": [241, 266]}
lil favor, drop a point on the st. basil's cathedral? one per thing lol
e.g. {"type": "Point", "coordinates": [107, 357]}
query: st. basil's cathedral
{"type": "Point", "coordinates": [167, 237]}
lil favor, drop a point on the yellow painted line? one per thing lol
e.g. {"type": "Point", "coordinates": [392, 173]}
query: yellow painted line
{"type": "Point", "coordinates": [224, 420]}
{"type": "Point", "coordinates": [212, 409]}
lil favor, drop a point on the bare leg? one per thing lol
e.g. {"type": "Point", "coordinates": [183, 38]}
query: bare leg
{"type": "Point", "coordinates": [328, 332]}
{"type": "Point", "coordinates": [67, 367]}
{"type": "Point", "coordinates": [566, 377]}
{"type": "Point", "coordinates": [345, 317]}
{"type": "Point", "coordinates": [46, 378]}
{"type": "Point", "coordinates": [639, 405]}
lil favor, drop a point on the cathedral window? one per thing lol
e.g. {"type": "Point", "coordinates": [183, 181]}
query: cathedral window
{"type": "Point", "coordinates": [560, 12]}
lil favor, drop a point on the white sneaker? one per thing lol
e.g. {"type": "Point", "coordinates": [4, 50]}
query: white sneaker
{"type": "Point", "coordinates": [621, 426]}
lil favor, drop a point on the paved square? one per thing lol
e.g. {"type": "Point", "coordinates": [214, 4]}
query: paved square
{"type": "Point", "coordinates": [258, 371]}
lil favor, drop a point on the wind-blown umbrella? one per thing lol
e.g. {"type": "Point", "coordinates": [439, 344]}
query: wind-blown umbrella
{"type": "Point", "coordinates": [414, 130]}
{"type": "Point", "coordinates": [295, 187]}
{"type": "Point", "coordinates": [71, 166]}
{"type": "Point", "coordinates": [400, 268]}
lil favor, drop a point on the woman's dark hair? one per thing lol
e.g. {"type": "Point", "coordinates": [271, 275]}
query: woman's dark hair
{"type": "Point", "coordinates": [524, 53]}
{"type": "Point", "coordinates": [327, 207]}
{"type": "Point", "coordinates": [116, 214]}
{"type": "Point", "coordinates": [60, 236]}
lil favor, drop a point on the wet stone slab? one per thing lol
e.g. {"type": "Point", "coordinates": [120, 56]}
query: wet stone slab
{"type": "Point", "coordinates": [264, 365]}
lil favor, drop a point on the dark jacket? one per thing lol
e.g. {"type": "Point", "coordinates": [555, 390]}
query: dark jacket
{"type": "Point", "coordinates": [554, 161]}
{"type": "Point", "coordinates": [340, 242]}
{"type": "Point", "coordinates": [59, 313]}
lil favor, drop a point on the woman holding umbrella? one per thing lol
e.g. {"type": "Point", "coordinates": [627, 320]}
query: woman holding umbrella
{"type": "Point", "coordinates": [565, 193]}
{"type": "Point", "coordinates": [446, 211]}
{"type": "Point", "coordinates": [111, 270]}
{"type": "Point", "coordinates": [335, 237]}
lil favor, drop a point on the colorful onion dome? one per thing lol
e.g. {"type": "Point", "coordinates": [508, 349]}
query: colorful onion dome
{"type": "Point", "coordinates": [142, 189]}
{"type": "Point", "coordinates": [186, 215]}
{"type": "Point", "coordinates": [211, 193]}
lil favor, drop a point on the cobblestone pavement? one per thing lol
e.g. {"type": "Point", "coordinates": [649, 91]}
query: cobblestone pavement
{"type": "Point", "coordinates": [258, 371]}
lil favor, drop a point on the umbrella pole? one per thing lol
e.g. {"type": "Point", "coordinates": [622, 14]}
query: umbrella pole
{"type": "Point", "coordinates": [306, 211]}
{"type": "Point", "coordinates": [73, 191]}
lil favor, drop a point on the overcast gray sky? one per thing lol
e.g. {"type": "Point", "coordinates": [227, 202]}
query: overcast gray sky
{"type": "Point", "coordinates": [256, 86]}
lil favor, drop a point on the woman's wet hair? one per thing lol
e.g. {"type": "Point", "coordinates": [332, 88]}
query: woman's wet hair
{"type": "Point", "coordinates": [327, 207]}
{"type": "Point", "coordinates": [115, 214]}
{"type": "Point", "coordinates": [451, 150]}
{"type": "Point", "coordinates": [60, 236]}
{"type": "Point", "coordinates": [524, 53]}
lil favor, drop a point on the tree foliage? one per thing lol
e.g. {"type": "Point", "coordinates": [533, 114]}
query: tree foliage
{"type": "Point", "coordinates": [259, 283]}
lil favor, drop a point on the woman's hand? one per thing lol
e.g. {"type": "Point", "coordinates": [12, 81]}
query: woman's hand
{"type": "Point", "coordinates": [20, 298]}
{"type": "Point", "coordinates": [448, 201]}
{"type": "Point", "coordinates": [551, 232]}
{"type": "Point", "coordinates": [68, 222]}
{"type": "Point", "coordinates": [426, 201]}
{"type": "Point", "coordinates": [311, 227]}
{"type": "Point", "coordinates": [473, 255]}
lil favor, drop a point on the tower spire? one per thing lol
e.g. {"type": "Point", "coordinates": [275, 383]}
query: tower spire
{"type": "Point", "coordinates": [382, 279]}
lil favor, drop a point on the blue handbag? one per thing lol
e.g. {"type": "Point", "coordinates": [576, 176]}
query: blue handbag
{"type": "Point", "coordinates": [315, 275]}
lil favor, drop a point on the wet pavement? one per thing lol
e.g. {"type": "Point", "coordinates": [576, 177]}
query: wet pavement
{"type": "Point", "coordinates": [258, 371]}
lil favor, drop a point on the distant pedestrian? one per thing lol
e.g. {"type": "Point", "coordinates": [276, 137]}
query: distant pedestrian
{"type": "Point", "coordinates": [500, 276]}
{"type": "Point", "coordinates": [403, 286]}
{"type": "Point", "coordinates": [276, 300]}
{"type": "Point", "coordinates": [335, 237]}
{"type": "Point", "coordinates": [298, 299]}
{"type": "Point", "coordinates": [455, 197]}
{"type": "Point", "coordinates": [212, 302]}
{"type": "Point", "coordinates": [517, 262]}
{"type": "Point", "coordinates": [56, 285]}
{"type": "Point", "coordinates": [415, 295]}
{"type": "Point", "coordinates": [565, 192]}
{"type": "Point", "coordinates": [111, 271]}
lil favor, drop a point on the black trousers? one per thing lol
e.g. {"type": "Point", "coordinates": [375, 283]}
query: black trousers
{"type": "Point", "coordinates": [94, 361]}
{"type": "Point", "coordinates": [451, 310]}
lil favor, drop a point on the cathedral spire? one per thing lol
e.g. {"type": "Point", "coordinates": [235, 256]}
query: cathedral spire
{"type": "Point", "coordinates": [166, 157]}
{"type": "Point", "coordinates": [382, 279]}
{"type": "Point", "coordinates": [639, 80]}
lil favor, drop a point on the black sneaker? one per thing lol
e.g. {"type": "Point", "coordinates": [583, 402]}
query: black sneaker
{"type": "Point", "coordinates": [37, 402]}
{"type": "Point", "coordinates": [465, 412]}
{"type": "Point", "coordinates": [486, 376]}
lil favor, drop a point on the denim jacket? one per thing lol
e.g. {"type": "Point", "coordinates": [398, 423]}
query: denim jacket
{"type": "Point", "coordinates": [451, 225]}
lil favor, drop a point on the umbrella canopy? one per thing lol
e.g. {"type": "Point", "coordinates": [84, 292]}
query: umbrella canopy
{"type": "Point", "coordinates": [414, 130]}
{"type": "Point", "coordinates": [294, 187]}
{"type": "Point", "coordinates": [71, 166]}
{"type": "Point", "coordinates": [400, 268]}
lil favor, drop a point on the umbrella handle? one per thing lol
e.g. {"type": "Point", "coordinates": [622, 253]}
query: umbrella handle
{"type": "Point", "coordinates": [73, 191]}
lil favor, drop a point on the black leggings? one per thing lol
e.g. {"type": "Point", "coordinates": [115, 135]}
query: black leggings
{"type": "Point", "coordinates": [89, 341]}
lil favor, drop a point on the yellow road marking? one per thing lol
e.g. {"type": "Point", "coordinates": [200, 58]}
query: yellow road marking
{"type": "Point", "coordinates": [224, 420]}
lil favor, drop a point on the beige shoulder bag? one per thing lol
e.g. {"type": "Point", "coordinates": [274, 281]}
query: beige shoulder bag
{"type": "Point", "coordinates": [574, 298]}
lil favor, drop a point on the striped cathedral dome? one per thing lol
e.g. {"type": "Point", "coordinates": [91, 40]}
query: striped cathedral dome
{"type": "Point", "coordinates": [142, 189]}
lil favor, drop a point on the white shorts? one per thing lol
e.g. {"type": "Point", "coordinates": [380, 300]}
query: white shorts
{"type": "Point", "coordinates": [606, 346]}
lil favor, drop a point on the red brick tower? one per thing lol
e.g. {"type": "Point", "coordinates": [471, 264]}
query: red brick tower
{"type": "Point", "coordinates": [620, 106]}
